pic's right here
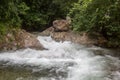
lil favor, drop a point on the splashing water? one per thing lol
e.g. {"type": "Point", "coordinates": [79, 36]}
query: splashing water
{"type": "Point", "coordinates": [62, 61]}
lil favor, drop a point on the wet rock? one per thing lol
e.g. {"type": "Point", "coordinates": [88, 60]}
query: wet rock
{"type": "Point", "coordinates": [29, 40]}
{"type": "Point", "coordinates": [47, 32]}
{"type": "Point", "coordinates": [81, 38]}
{"type": "Point", "coordinates": [20, 39]}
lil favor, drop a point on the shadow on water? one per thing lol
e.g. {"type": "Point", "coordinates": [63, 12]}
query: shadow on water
{"type": "Point", "coordinates": [9, 73]}
{"type": "Point", "coordinates": [27, 72]}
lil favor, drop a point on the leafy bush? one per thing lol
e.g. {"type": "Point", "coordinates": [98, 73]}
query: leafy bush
{"type": "Point", "coordinates": [10, 11]}
{"type": "Point", "coordinates": [43, 12]}
{"type": "Point", "coordinates": [101, 16]}
{"type": "Point", "coordinates": [33, 14]}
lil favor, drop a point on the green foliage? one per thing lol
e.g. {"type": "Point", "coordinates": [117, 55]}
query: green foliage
{"type": "Point", "coordinates": [10, 15]}
{"type": "Point", "coordinates": [2, 29]}
{"type": "Point", "coordinates": [9, 12]}
{"type": "Point", "coordinates": [101, 16]}
{"type": "Point", "coordinates": [32, 14]}
{"type": "Point", "coordinates": [78, 15]}
{"type": "Point", "coordinates": [43, 12]}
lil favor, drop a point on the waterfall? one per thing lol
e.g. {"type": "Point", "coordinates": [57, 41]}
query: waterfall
{"type": "Point", "coordinates": [62, 61]}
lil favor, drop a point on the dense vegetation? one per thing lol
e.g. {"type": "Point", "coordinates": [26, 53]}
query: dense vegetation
{"type": "Point", "coordinates": [101, 16]}
{"type": "Point", "coordinates": [32, 14]}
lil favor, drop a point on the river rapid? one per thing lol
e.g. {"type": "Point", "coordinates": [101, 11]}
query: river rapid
{"type": "Point", "coordinates": [61, 61]}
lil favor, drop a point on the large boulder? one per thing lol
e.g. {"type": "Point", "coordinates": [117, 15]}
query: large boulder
{"type": "Point", "coordinates": [28, 40]}
{"type": "Point", "coordinates": [61, 25]}
{"type": "Point", "coordinates": [19, 39]}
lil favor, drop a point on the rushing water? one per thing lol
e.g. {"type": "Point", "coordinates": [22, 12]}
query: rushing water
{"type": "Point", "coordinates": [62, 61]}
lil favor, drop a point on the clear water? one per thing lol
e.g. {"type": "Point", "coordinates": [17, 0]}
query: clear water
{"type": "Point", "coordinates": [62, 61]}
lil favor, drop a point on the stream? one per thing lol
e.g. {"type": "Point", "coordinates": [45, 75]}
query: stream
{"type": "Point", "coordinates": [62, 61]}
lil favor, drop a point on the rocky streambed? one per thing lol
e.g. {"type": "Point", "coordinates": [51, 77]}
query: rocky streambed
{"type": "Point", "coordinates": [62, 61]}
{"type": "Point", "coordinates": [57, 54]}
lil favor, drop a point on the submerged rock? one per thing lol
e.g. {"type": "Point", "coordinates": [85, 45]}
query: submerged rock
{"type": "Point", "coordinates": [19, 39]}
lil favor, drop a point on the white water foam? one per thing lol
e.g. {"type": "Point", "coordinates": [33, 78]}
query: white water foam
{"type": "Point", "coordinates": [76, 61]}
